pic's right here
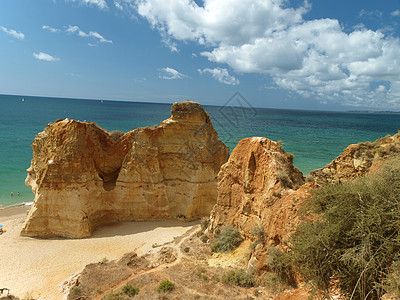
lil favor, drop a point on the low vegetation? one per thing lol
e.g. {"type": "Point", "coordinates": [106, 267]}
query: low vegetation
{"type": "Point", "coordinates": [201, 274]}
{"type": "Point", "coordinates": [104, 260]}
{"type": "Point", "coordinates": [272, 282]}
{"type": "Point", "coordinates": [130, 290]}
{"type": "Point", "coordinates": [116, 135]}
{"type": "Point", "coordinates": [377, 148]}
{"type": "Point", "coordinates": [116, 295]}
{"type": "Point", "coordinates": [350, 236]}
{"type": "Point", "coordinates": [228, 240]}
{"type": "Point", "coordinates": [280, 264]}
{"type": "Point", "coordinates": [166, 286]}
{"type": "Point", "coordinates": [259, 235]}
{"type": "Point", "coordinates": [239, 278]}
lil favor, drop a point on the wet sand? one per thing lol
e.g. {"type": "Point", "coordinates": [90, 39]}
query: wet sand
{"type": "Point", "coordinates": [38, 267]}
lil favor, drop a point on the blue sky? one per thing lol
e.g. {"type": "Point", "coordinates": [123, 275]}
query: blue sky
{"type": "Point", "coordinates": [330, 55]}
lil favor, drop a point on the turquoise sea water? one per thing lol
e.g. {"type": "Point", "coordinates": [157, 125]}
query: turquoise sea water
{"type": "Point", "coordinates": [314, 137]}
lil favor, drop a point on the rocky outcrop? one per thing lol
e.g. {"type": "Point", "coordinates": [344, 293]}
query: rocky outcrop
{"type": "Point", "coordinates": [83, 176]}
{"type": "Point", "coordinates": [256, 188]}
{"type": "Point", "coordinates": [357, 160]}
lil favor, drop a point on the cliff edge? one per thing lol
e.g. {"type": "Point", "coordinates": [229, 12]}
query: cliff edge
{"type": "Point", "coordinates": [84, 176]}
{"type": "Point", "coordinates": [357, 160]}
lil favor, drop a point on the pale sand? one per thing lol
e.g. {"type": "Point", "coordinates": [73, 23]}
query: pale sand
{"type": "Point", "coordinates": [38, 266]}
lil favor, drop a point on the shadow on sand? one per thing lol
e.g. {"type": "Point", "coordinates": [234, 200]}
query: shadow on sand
{"type": "Point", "coordinates": [135, 227]}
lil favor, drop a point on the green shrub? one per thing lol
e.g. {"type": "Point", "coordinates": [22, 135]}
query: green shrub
{"type": "Point", "coordinates": [259, 236]}
{"type": "Point", "coordinates": [228, 240]}
{"type": "Point", "coordinates": [280, 264]}
{"type": "Point", "coordinates": [239, 278]}
{"type": "Point", "coordinates": [116, 295]}
{"type": "Point", "coordinates": [165, 286]}
{"type": "Point", "coordinates": [272, 282]}
{"type": "Point", "coordinates": [284, 178]}
{"type": "Point", "coordinates": [130, 290]}
{"type": "Point", "coordinates": [350, 232]}
{"type": "Point", "coordinates": [201, 274]}
{"type": "Point", "coordinates": [258, 233]}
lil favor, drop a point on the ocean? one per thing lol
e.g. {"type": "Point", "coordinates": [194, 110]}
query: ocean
{"type": "Point", "coordinates": [314, 137]}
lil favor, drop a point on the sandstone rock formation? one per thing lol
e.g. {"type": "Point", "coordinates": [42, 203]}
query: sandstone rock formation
{"type": "Point", "coordinates": [83, 176]}
{"type": "Point", "coordinates": [256, 188]}
{"type": "Point", "coordinates": [357, 160]}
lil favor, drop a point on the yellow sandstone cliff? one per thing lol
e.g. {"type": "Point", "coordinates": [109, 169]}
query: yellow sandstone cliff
{"type": "Point", "coordinates": [256, 187]}
{"type": "Point", "coordinates": [83, 176]}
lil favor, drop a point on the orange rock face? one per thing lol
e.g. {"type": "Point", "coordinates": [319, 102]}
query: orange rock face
{"type": "Point", "coordinates": [83, 176]}
{"type": "Point", "coordinates": [357, 160]}
{"type": "Point", "coordinates": [256, 187]}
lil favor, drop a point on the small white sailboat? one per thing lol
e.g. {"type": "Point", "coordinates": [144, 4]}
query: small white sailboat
{"type": "Point", "coordinates": [22, 99]}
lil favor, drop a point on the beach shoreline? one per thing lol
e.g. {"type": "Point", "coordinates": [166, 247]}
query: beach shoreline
{"type": "Point", "coordinates": [38, 267]}
{"type": "Point", "coordinates": [16, 209]}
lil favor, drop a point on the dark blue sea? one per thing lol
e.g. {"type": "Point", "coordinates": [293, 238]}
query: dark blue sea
{"type": "Point", "coordinates": [314, 137]}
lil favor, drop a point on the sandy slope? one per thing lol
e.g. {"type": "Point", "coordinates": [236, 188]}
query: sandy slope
{"type": "Point", "coordinates": [39, 266]}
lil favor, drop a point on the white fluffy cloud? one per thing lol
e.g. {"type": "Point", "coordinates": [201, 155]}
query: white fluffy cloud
{"type": "Point", "coordinates": [315, 58]}
{"type": "Point", "coordinates": [99, 3]}
{"type": "Point", "coordinates": [220, 74]}
{"type": "Point", "coordinates": [170, 73]}
{"type": "Point", "coordinates": [13, 33]}
{"type": "Point", "coordinates": [46, 27]}
{"type": "Point", "coordinates": [94, 34]}
{"type": "Point", "coordinates": [45, 57]}
{"type": "Point", "coordinates": [229, 22]}
{"type": "Point", "coordinates": [76, 30]}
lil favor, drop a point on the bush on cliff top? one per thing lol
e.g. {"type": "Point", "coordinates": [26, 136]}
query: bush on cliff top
{"type": "Point", "coordinates": [350, 234]}
{"type": "Point", "coordinates": [116, 135]}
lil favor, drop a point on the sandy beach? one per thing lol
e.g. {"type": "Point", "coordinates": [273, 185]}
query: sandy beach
{"type": "Point", "coordinates": [37, 267]}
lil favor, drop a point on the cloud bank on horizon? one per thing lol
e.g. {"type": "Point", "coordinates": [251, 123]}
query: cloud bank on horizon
{"type": "Point", "coordinates": [314, 58]}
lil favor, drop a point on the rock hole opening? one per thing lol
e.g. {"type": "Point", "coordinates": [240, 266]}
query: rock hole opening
{"type": "Point", "coordinates": [252, 163]}
{"type": "Point", "coordinates": [109, 179]}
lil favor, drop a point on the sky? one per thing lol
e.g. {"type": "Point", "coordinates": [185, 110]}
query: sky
{"type": "Point", "coordinates": [316, 54]}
